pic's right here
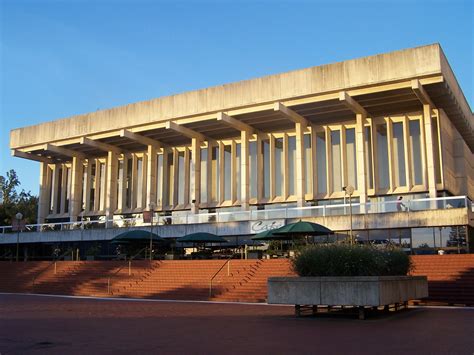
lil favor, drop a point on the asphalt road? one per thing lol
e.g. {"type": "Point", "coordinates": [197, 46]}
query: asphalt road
{"type": "Point", "coordinates": [55, 325]}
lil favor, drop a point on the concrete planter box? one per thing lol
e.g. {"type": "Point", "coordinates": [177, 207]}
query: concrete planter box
{"type": "Point", "coordinates": [359, 291]}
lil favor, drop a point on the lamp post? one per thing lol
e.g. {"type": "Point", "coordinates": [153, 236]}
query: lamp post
{"type": "Point", "coordinates": [152, 212]}
{"type": "Point", "coordinates": [18, 217]}
{"type": "Point", "coordinates": [349, 190]}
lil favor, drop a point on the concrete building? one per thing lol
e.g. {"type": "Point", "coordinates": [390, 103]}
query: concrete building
{"type": "Point", "coordinates": [228, 157]}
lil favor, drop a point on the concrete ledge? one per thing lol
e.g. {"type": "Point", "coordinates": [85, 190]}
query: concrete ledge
{"type": "Point", "coordinates": [346, 291]}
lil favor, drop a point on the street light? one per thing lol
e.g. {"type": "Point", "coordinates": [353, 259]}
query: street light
{"type": "Point", "coordinates": [152, 212]}
{"type": "Point", "coordinates": [18, 217]}
{"type": "Point", "coordinates": [349, 190]}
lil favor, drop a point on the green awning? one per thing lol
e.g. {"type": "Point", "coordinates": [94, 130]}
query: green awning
{"type": "Point", "coordinates": [137, 235]}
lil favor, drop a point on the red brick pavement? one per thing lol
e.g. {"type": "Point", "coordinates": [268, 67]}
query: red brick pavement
{"type": "Point", "coordinates": [51, 325]}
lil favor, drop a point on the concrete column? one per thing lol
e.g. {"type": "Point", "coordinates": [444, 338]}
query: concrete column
{"type": "Point", "coordinates": [300, 165]}
{"type": "Point", "coordinates": [134, 183]}
{"type": "Point", "coordinates": [430, 165]}
{"type": "Point", "coordinates": [220, 183]}
{"type": "Point", "coordinates": [360, 156]}
{"type": "Point", "coordinates": [260, 169]}
{"type": "Point", "coordinates": [187, 176]}
{"type": "Point", "coordinates": [165, 180]}
{"type": "Point", "coordinates": [111, 186]}
{"type": "Point", "coordinates": [195, 175]}
{"type": "Point", "coordinates": [233, 174]}
{"type": "Point", "coordinates": [44, 195]}
{"type": "Point", "coordinates": [175, 177]}
{"type": "Point", "coordinates": [244, 170]}
{"type": "Point", "coordinates": [76, 189]}
{"type": "Point", "coordinates": [151, 176]}
{"type": "Point", "coordinates": [271, 149]}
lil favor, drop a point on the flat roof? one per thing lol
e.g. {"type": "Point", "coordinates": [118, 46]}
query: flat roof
{"type": "Point", "coordinates": [381, 84]}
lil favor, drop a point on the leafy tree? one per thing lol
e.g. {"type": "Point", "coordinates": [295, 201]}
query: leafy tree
{"type": "Point", "coordinates": [12, 201]}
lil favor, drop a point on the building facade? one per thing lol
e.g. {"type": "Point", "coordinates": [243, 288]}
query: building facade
{"type": "Point", "coordinates": [390, 125]}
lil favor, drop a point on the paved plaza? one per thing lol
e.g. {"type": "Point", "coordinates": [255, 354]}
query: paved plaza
{"type": "Point", "coordinates": [60, 325]}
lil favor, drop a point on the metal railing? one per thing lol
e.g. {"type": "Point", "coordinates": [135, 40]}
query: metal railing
{"type": "Point", "coordinates": [54, 262]}
{"type": "Point", "coordinates": [129, 264]}
{"type": "Point", "coordinates": [227, 263]}
{"type": "Point", "coordinates": [422, 204]}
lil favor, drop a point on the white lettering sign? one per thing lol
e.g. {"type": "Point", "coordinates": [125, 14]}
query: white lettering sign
{"type": "Point", "coordinates": [265, 225]}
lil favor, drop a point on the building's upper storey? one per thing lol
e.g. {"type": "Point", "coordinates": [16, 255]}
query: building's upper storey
{"type": "Point", "coordinates": [380, 85]}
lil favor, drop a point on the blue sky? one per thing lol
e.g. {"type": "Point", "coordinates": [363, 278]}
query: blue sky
{"type": "Point", "coordinates": [61, 58]}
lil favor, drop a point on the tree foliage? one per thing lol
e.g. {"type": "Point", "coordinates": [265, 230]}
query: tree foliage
{"type": "Point", "coordinates": [13, 201]}
{"type": "Point", "coordinates": [351, 260]}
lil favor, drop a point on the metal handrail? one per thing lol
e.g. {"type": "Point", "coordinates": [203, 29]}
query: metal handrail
{"type": "Point", "coordinates": [227, 262]}
{"type": "Point", "coordinates": [54, 262]}
{"type": "Point", "coordinates": [129, 264]}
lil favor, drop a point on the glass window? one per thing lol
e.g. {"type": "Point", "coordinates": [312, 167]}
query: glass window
{"type": "Point", "coordinates": [321, 162]}
{"type": "Point", "coordinates": [399, 154]}
{"type": "Point", "coordinates": [204, 181]}
{"type": "Point", "coordinates": [351, 157]}
{"type": "Point", "coordinates": [266, 167]}
{"type": "Point", "coordinates": [129, 184]}
{"type": "Point", "coordinates": [415, 143]}
{"type": "Point", "coordinates": [170, 174]}
{"type": "Point", "coordinates": [368, 157]}
{"type": "Point", "coordinates": [382, 157]}
{"type": "Point", "coordinates": [278, 166]}
{"type": "Point", "coordinates": [227, 172]}
{"type": "Point", "coordinates": [336, 160]}
{"type": "Point", "coordinates": [58, 191]}
{"type": "Point", "coordinates": [291, 165]}
{"type": "Point", "coordinates": [67, 197]}
{"type": "Point", "coordinates": [103, 184]}
{"type": "Point", "coordinates": [253, 169]}
{"type": "Point", "coordinates": [84, 186]}
{"type": "Point", "coordinates": [92, 187]}
{"type": "Point", "coordinates": [215, 174]}
{"type": "Point", "coordinates": [437, 162]}
{"type": "Point", "coordinates": [308, 161]}
{"type": "Point", "coordinates": [140, 187]}
{"type": "Point", "coordinates": [423, 237]}
{"type": "Point", "coordinates": [159, 179]}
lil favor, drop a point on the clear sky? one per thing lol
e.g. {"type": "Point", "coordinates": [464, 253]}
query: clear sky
{"type": "Point", "coordinates": [61, 58]}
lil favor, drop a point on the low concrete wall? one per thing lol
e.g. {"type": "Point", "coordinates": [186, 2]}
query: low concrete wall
{"type": "Point", "coordinates": [346, 291]}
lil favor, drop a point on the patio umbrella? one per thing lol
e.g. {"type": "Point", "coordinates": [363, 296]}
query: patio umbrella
{"type": "Point", "coordinates": [270, 235]}
{"type": "Point", "coordinates": [137, 235]}
{"type": "Point", "coordinates": [201, 237]}
{"type": "Point", "coordinates": [303, 228]}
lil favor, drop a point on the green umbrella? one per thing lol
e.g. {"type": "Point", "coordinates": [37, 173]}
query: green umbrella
{"type": "Point", "coordinates": [303, 228]}
{"type": "Point", "coordinates": [269, 235]}
{"type": "Point", "coordinates": [137, 235]}
{"type": "Point", "coordinates": [201, 237]}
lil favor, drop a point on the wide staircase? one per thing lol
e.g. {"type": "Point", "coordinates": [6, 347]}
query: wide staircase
{"type": "Point", "coordinates": [450, 278]}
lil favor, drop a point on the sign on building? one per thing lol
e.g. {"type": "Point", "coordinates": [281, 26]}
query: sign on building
{"type": "Point", "coordinates": [264, 225]}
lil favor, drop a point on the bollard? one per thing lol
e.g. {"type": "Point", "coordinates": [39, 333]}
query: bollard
{"type": "Point", "coordinates": [129, 267]}
{"type": "Point", "coordinates": [55, 267]}
{"type": "Point", "coordinates": [228, 268]}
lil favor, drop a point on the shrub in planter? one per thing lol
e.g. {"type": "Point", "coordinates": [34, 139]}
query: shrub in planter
{"type": "Point", "coordinates": [351, 260]}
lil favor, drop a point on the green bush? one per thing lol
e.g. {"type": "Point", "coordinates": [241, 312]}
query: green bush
{"type": "Point", "coordinates": [351, 260]}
